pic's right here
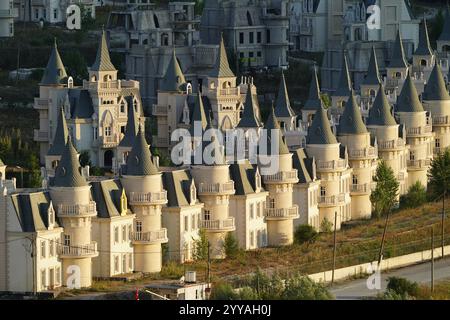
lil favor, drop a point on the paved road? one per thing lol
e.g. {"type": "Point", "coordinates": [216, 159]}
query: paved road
{"type": "Point", "coordinates": [421, 273]}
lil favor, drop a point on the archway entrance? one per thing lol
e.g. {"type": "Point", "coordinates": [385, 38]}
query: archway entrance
{"type": "Point", "coordinates": [108, 158]}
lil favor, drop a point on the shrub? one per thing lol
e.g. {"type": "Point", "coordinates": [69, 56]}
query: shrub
{"type": "Point", "coordinates": [326, 225]}
{"type": "Point", "coordinates": [416, 196]}
{"type": "Point", "coordinates": [231, 246]}
{"type": "Point", "coordinates": [223, 291]}
{"type": "Point", "coordinates": [305, 233]}
{"type": "Point", "coordinates": [172, 270]}
{"type": "Point", "coordinates": [201, 246]}
{"type": "Point", "coordinates": [303, 288]}
{"type": "Point", "coordinates": [402, 287]}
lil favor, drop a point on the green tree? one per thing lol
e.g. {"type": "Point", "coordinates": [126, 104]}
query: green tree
{"type": "Point", "coordinates": [231, 246]}
{"type": "Point", "coordinates": [201, 246]}
{"type": "Point", "coordinates": [326, 100]}
{"type": "Point", "coordinates": [223, 291]}
{"type": "Point", "coordinates": [401, 287]}
{"type": "Point", "coordinates": [85, 158]}
{"type": "Point", "coordinates": [384, 197]}
{"type": "Point", "coordinates": [303, 288]}
{"type": "Point", "coordinates": [305, 233]}
{"type": "Point", "coordinates": [439, 174]}
{"type": "Point", "coordinates": [76, 66]}
{"type": "Point", "coordinates": [326, 226]}
{"type": "Point", "coordinates": [416, 196]}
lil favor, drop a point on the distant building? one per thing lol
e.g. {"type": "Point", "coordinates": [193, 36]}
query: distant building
{"type": "Point", "coordinates": [7, 15]}
{"type": "Point", "coordinates": [187, 289]}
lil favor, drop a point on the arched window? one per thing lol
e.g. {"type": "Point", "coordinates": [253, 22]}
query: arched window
{"type": "Point", "coordinates": [398, 75]}
{"type": "Point", "coordinates": [423, 63]}
{"type": "Point", "coordinates": [164, 39]}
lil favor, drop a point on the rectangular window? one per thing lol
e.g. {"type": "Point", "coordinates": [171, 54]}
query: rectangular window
{"type": "Point", "coordinates": [55, 14]}
{"type": "Point", "coordinates": [51, 249]}
{"type": "Point", "coordinates": [43, 278]}
{"type": "Point", "coordinates": [138, 226]}
{"type": "Point", "coordinates": [107, 131]}
{"type": "Point", "coordinates": [437, 143]}
{"type": "Point", "coordinates": [251, 54]}
{"type": "Point", "coordinates": [268, 36]}
{"type": "Point", "coordinates": [252, 238]}
{"type": "Point", "coordinates": [259, 54]}
{"type": "Point", "coordinates": [36, 14]}
{"type": "Point", "coordinates": [241, 37]}
{"type": "Point", "coordinates": [186, 223]}
{"type": "Point", "coordinates": [124, 233]}
{"type": "Point", "coordinates": [67, 240]}
{"type": "Point", "coordinates": [124, 263]}
{"type": "Point", "coordinates": [58, 276]}
{"type": "Point", "coordinates": [130, 231]}
{"type": "Point", "coordinates": [193, 222]}
{"type": "Point", "coordinates": [258, 37]}
{"type": "Point", "coordinates": [252, 37]}
{"type": "Point", "coordinates": [322, 192]}
{"type": "Point", "coordinates": [130, 261]}
{"type": "Point", "coordinates": [116, 263]}
{"type": "Point", "coordinates": [252, 211]}
{"type": "Point", "coordinates": [11, 28]}
{"type": "Point", "coordinates": [116, 234]}
{"type": "Point", "coordinates": [43, 247]}
{"type": "Point", "coordinates": [95, 133]}
{"type": "Point", "coordinates": [241, 55]}
{"type": "Point", "coordinates": [207, 215]}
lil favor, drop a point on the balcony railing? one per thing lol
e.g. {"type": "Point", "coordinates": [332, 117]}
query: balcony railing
{"type": "Point", "coordinates": [391, 144]}
{"type": "Point", "coordinates": [41, 104]}
{"type": "Point", "coordinates": [151, 236]}
{"type": "Point", "coordinates": [417, 131]}
{"type": "Point", "coordinates": [9, 13]}
{"type": "Point", "coordinates": [281, 213]}
{"type": "Point", "coordinates": [362, 188]}
{"type": "Point", "coordinates": [148, 197]}
{"type": "Point", "coordinates": [229, 91]}
{"type": "Point", "coordinates": [40, 135]}
{"type": "Point", "coordinates": [216, 188]}
{"type": "Point", "coordinates": [331, 165]}
{"type": "Point", "coordinates": [108, 85]}
{"type": "Point", "coordinates": [363, 153]}
{"type": "Point", "coordinates": [423, 163]}
{"type": "Point", "coordinates": [159, 110]}
{"type": "Point", "coordinates": [440, 120]}
{"type": "Point", "coordinates": [78, 250]}
{"type": "Point", "coordinates": [78, 210]}
{"type": "Point", "coordinates": [331, 200]}
{"type": "Point", "coordinates": [222, 224]}
{"type": "Point", "coordinates": [112, 139]}
{"type": "Point", "coordinates": [282, 176]}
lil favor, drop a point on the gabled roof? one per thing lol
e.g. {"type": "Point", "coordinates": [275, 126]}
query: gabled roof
{"type": "Point", "coordinates": [320, 130]}
{"type": "Point", "coordinates": [373, 74]}
{"type": "Point", "coordinates": [249, 118]}
{"type": "Point", "coordinates": [140, 162]}
{"type": "Point", "coordinates": [435, 88]}
{"type": "Point", "coordinates": [67, 172]}
{"type": "Point", "coordinates": [60, 138]}
{"type": "Point", "coordinates": [398, 54]}
{"type": "Point", "coordinates": [102, 60]}
{"type": "Point", "coordinates": [283, 105]}
{"type": "Point", "coordinates": [345, 83]}
{"type": "Point", "coordinates": [380, 113]}
{"type": "Point", "coordinates": [243, 174]}
{"type": "Point", "coordinates": [351, 120]}
{"type": "Point", "coordinates": [55, 72]}
{"type": "Point", "coordinates": [178, 185]}
{"type": "Point", "coordinates": [32, 211]}
{"type": "Point", "coordinates": [314, 101]}
{"type": "Point", "coordinates": [106, 194]}
{"type": "Point", "coordinates": [132, 126]}
{"type": "Point", "coordinates": [424, 47]}
{"type": "Point", "coordinates": [174, 77]}
{"type": "Point", "coordinates": [272, 124]}
{"type": "Point", "coordinates": [199, 114]}
{"type": "Point", "coordinates": [222, 67]}
{"type": "Point", "coordinates": [408, 100]}
{"type": "Point", "coordinates": [306, 167]}
{"type": "Point", "coordinates": [445, 34]}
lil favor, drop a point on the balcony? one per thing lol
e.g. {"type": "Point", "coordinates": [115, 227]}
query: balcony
{"type": "Point", "coordinates": [282, 177]}
{"type": "Point", "coordinates": [391, 144]}
{"type": "Point", "coordinates": [418, 164]}
{"type": "Point", "coordinates": [334, 165]}
{"type": "Point", "coordinates": [441, 121]}
{"type": "Point", "coordinates": [219, 225]}
{"type": "Point", "coordinates": [110, 141]}
{"type": "Point", "coordinates": [281, 213]}
{"type": "Point", "coordinates": [365, 188]}
{"type": "Point", "coordinates": [229, 92]}
{"type": "Point", "coordinates": [150, 237]}
{"type": "Point", "coordinates": [108, 85]}
{"type": "Point", "coordinates": [366, 153]}
{"type": "Point", "coordinates": [159, 110]}
{"type": "Point", "coordinates": [216, 188]}
{"type": "Point", "coordinates": [77, 210]}
{"type": "Point", "coordinates": [41, 104]}
{"type": "Point", "coordinates": [331, 201]}
{"type": "Point", "coordinates": [148, 198]}
{"type": "Point", "coordinates": [40, 136]}
{"type": "Point", "coordinates": [78, 251]}
{"type": "Point", "coordinates": [419, 131]}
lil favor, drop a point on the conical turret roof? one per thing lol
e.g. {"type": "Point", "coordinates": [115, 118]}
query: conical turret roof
{"type": "Point", "coordinates": [103, 60]}
{"type": "Point", "coordinates": [55, 72]}
{"type": "Point", "coordinates": [351, 120]}
{"type": "Point", "coordinates": [132, 127]}
{"type": "Point", "coordinates": [408, 100]}
{"type": "Point", "coordinates": [140, 162]}
{"type": "Point", "coordinates": [435, 88]}
{"type": "Point", "coordinates": [67, 172]}
{"type": "Point", "coordinates": [222, 67]}
{"type": "Point", "coordinates": [398, 54]}
{"type": "Point", "coordinates": [380, 113]}
{"type": "Point", "coordinates": [345, 84]}
{"type": "Point", "coordinates": [174, 77]}
{"type": "Point", "coordinates": [199, 114]}
{"type": "Point", "coordinates": [272, 124]}
{"type": "Point", "coordinates": [314, 101]}
{"type": "Point", "coordinates": [320, 130]}
{"type": "Point", "coordinates": [373, 74]}
{"type": "Point", "coordinates": [424, 47]}
{"type": "Point", "coordinates": [283, 105]}
{"type": "Point", "coordinates": [249, 118]}
{"type": "Point", "coordinates": [60, 138]}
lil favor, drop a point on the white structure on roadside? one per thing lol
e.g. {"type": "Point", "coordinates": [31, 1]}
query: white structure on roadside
{"type": "Point", "coordinates": [7, 15]}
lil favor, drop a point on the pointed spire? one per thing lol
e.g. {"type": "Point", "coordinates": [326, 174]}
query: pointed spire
{"type": "Point", "coordinates": [222, 67]}
{"type": "Point", "coordinates": [408, 100]}
{"type": "Point", "coordinates": [424, 47]}
{"type": "Point", "coordinates": [199, 114]}
{"type": "Point", "coordinates": [320, 130]}
{"type": "Point", "coordinates": [380, 113]}
{"type": "Point", "coordinates": [314, 101]}
{"type": "Point", "coordinates": [68, 173]}
{"type": "Point", "coordinates": [373, 74]}
{"type": "Point", "coordinates": [103, 60]}
{"type": "Point", "coordinates": [174, 77]}
{"type": "Point", "coordinates": [249, 118]}
{"type": "Point", "coordinates": [272, 124]}
{"type": "Point", "coordinates": [345, 83]}
{"type": "Point", "coordinates": [398, 54]}
{"type": "Point", "coordinates": [445, 34]}
{"type": "Point", "coordinates": [55, 72]}
{"type": "Point", "coordinates": [132, 127]}
{"type": "Point", "coordinates": [139, 162]}
{"type": "Point", "coordinates": [60, 137]}
{"type": "Point", "coordinates": [283, 105]}
{"type": "Point", "coordinates": [435, 88]}
{"type": "Point", "coordinates": [351, 120]}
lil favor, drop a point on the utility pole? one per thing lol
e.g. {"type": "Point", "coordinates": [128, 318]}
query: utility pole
{"type": "Point", "coordinates": [380, 255]}
{"type": "Point", "coordinates": [33, 260]}
{"type": "Point", "coordinates": [432, 259]}
{"type": "Point", "coordinates": [442, 225]}
{"type": "Point", "coordinates": [209, 265]}
{"type": "Point", "coordinates": [334, 248]}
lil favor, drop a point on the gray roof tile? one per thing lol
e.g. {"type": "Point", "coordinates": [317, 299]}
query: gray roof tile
{"type": "Point", "coordinates": [351, 120]}
{"type": "Point", "coordinates": [320, 130]}
{"type": "Point", "coordinates": [408, 100]}
{"type": "Point", "coordinates": [380, 113]}
{"type": "Point", "coordinates": [55, 72]}
{"type": "Point", "coordinates": [67, 172]}
{"type": "Point", "coordinates": [435, 88]}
